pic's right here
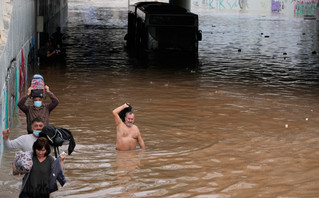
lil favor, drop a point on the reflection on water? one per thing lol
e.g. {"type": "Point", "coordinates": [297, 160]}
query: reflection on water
{"type": "Point", "coordinates": [243, 124]}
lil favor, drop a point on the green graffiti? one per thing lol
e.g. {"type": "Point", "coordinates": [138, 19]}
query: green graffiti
{"type": "Point", "coordinates": [263, 4]}
{"type": "Point", "coordinates": [306, 8]}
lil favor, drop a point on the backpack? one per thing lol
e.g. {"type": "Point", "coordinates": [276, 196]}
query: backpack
{"type": "Point", "coordinates": [37, 84]}
{"type": "Point", "coordinates": [58, 137]}
{"type": "Point", "coordinates": [124, 111]}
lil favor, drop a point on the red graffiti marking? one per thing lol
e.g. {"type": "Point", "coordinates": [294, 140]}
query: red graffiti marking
{"type": "Point", "coordinates": [22, 72]}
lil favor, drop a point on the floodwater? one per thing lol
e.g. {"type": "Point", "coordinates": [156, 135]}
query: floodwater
{"type": "Point", "coordinates": [242, 123]}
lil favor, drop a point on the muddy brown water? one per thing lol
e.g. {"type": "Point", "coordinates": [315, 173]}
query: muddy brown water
{"type": "Point", "coordinates": [243, 123]}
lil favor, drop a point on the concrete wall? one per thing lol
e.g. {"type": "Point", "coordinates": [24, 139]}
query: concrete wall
{"type": "Point", "coordinates": [55, 13]}
{"type": "Point", "coordinates": [286, 7]}
{"type": "Point", "coordinates": [18, 47]}
{"type": "Point", "coordinates": [17, 31]}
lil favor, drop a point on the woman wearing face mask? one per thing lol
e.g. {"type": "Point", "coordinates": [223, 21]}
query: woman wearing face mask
{"type": "Point", "coordinates": [46, 170]}
{"type": "Point", "coordinates": [38, 109]}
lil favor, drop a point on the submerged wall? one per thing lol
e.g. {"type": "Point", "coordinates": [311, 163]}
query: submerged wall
{"type": "Point", "coordinates": [18, 48]}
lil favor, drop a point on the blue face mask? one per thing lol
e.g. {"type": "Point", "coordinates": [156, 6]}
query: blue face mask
{"type": "Point", "coordinates": [37, 103]}
{"type": "Point", "coordinates": [36, 133]}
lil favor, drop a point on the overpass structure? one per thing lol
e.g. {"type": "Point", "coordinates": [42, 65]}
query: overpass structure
{"type": "Point", "coordinates": [25, 24]}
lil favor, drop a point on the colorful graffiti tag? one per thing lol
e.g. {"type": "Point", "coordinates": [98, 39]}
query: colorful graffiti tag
{"type": "Point", "coordinates": [3, 117]}
{"type": "Point", "coordinates": [275, 5]}
{"type": "Point", "coordinates": [301, 8]}
{"type": "Point", "coordinates": [306, 8]}
{"type": "Point", "coordinates": [291, 7]}
{"type": "Point", "coordinates": [15, 84]}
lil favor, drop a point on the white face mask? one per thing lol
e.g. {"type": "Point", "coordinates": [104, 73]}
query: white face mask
{"type": "Point", "coordinates": [37, 103]}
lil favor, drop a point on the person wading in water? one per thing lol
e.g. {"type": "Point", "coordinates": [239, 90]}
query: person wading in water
{"type": "Point", "coordinates": [127, 133]}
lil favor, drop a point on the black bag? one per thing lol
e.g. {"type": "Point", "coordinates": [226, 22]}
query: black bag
{"type": "Point", "coordinates": [124, 111]}
{"type": "Point", "coordinates": [37, 93]}
{"type": "Point", "coordinates": [57, 137]}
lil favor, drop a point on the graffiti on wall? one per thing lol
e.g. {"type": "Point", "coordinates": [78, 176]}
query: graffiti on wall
{"type": "Point", "coordinates": [15, 83]}
{"type": "Point", "coordinates": [309, 7]}
{"type": "Point", "coordinates": [236, 4]}
{"type": "Point", "coordinates": [290, 7]}
{"type": "Point", "coordinates": [306, 7]}
{"type": "Point", "coordinates": [3, 117]}
{"type": "Point", "coordinates": [243, 4]}
{"type": "Point", "coordinates": [264, 4]}
{"type": "Point", "coordinates": [22, 72]}
{"type": "Point", "coordinates": [223, 4]}
{"type": "Point", "coordinates": [276, 5]}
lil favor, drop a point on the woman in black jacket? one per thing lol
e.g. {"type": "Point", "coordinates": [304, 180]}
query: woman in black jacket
{"type": "Point", "coordinates": [41, 180]}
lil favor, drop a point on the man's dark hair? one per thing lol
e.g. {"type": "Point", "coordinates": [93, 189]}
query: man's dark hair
{"type": "Point", "coordinates": [39, 144]}
{"type": "Point", "coordinates": [37, 119]}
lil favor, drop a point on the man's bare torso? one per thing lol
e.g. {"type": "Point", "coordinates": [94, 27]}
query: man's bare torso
{"type": "Point", "coordinates": [126, 137]}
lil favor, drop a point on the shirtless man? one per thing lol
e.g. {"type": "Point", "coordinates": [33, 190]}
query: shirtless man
{"type": "Point", "coordinates": [126, 132]}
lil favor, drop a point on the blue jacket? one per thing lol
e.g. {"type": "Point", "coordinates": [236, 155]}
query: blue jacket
{"type": "Point", "coordinates": [57, 174]}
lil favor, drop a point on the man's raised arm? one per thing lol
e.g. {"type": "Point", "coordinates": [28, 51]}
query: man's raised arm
{"type": "Point", "coordinates": [116, 112]}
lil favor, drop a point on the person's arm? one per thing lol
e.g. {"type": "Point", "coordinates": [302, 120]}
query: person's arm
{"type": "Point", "coordinates": [116, 112]}
{"type": "Point", "coordinates": [141, 141]}
{"type": "Point", "coordinates": [22, 101]}
{"type": "Point", "coordinates": [11, 144]}
{"type": "Point", "coordinates": [49, 54]}
{"type": "Point", "coordinates": [62, 163]}
{"type": "Point", "coordinates": [54, 99]}
{"type": "Point", "coordinates": [62, 157]}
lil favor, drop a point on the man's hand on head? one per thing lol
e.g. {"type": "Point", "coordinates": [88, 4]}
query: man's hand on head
{"type": "Point", "coordinates": [47, 89]}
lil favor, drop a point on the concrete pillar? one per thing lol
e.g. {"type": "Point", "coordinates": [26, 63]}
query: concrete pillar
{"type": "Point", "coordinates": [182, 3]}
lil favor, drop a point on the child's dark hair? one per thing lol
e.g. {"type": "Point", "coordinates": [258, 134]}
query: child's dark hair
{"type": "Point", "coordinates": [39, 144]}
